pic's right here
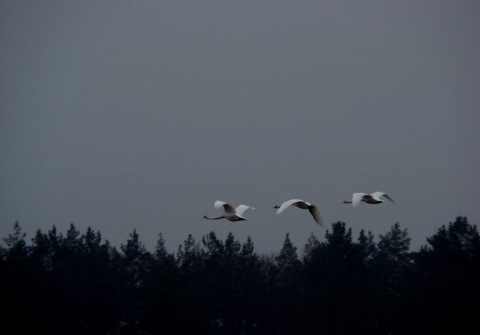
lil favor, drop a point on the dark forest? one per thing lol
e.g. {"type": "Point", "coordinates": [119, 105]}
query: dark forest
{"type": "Point", "coordinates": [78, 283]}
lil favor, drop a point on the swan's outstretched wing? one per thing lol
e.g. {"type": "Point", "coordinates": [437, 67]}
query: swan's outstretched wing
{"type": "Point", "coordinates": [316, 215]}
{"type": "Point", "coordinates": [357, 198]}
{"type": "Point", "coordinates": [242, 208]}
{"type": "Point", "coordinates": [287, 204]}
{"type": "Point", "coordinates": [227, 207]}
{"type": "Point", "coordinates": [378, 195]}
{"type": "Point", "coordinates": [389, 198]}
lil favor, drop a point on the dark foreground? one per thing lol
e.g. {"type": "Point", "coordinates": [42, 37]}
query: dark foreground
{"type": "Point", "coordinates": [76, 283]}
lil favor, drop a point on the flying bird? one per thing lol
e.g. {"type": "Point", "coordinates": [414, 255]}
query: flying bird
{"type": "Point", "coordinates": [303, 205]}
{"type": "Point", "coordinates": [373, 199]}
{"type": "Point", "coordinates": [231, 214]}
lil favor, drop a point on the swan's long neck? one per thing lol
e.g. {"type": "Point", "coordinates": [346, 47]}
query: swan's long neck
{"type": "Point", "coordinates": [213, 218]}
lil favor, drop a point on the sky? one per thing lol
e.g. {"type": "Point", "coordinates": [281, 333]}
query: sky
{"type": "Point", "coordinates": [139, 115]}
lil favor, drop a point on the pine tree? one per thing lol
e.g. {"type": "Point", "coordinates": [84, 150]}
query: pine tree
{"type": "Point", "coordinates": [135, 267]}
{"type": "Point", "coordinates": [391, 266]}
{"type": "Point", "coordinates": [446, 277]}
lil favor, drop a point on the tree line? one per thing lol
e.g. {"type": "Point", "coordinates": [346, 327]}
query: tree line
{"type": "Point", "coordinates": [78, 283]}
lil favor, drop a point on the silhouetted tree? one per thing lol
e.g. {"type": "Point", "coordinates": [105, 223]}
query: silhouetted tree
{"type": "Point", "coordinates": [79, 284]}
{"type": "Point", "coordinates": [162, 295]}
{"type": "Point", "coordinates": [391, 265]}
{"type": "Point", "coordinates": [135, 264]}
{"type": "Point", "coordinates": [347, 302]}
{"type": "Point", "coordinates": [287, 305]}
{"type": "Point", "coordinates": [17, 281]}
{"type": "Point", "coordinates": [366, 247]}
{"type": "Point", "coordinates": [446, 278]}
{"type": "Point", "coordinates": [16, 249]}
{"type": "Point", "coordinates": [197, 313]}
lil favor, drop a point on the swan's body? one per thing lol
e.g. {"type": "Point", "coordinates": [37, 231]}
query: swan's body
{"type": "Point", "coordinates": [303, 205]}
{"type": "Point", "coordinates": [231, 214]}
{"type": "Point", "coordinates": [373, 199]}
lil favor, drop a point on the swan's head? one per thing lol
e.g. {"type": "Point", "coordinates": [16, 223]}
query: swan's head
{"type": "Point", "coordinates": [347, 202]}
{"type": "Point", "coordinates": [204, 216]}
{"type": "Point", "coordinates": [276, 206]}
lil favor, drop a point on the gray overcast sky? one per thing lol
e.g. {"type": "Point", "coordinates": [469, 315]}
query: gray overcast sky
{"type": "Point", "coordinates": [123, 115]}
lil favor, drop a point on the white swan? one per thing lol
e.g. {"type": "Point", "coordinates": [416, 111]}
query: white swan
{"type": "Point", "coordinates": [303, 205]}
{"type": "Point", "coordinates": [231, 214]}
{"type": "Point", "coordinates": [373, 199]}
